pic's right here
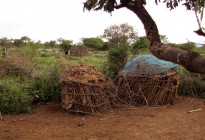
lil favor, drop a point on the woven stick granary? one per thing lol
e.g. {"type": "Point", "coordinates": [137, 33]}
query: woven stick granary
{"type": "Point", "coordinates": [147, 80]}
{"type": "Point", "coordinates": [85, 90]}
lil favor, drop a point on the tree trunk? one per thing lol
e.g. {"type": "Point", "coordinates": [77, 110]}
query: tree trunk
{"type": "Point", "coordinates": [192, 61]}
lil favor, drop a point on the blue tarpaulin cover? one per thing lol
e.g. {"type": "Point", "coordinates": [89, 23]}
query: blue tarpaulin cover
{"type": "Point", "coordinates": [148, 65]}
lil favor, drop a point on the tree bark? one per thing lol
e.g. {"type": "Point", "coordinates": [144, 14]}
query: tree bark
{"type": "Point", "coordinates": [192, 61]}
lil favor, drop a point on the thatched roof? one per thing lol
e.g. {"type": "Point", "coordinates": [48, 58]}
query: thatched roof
{"type": "Point", "coordinates": [84, 74]}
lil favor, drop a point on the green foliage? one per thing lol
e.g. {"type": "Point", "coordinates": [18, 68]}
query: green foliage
{"type": "Point", "coordinates": [191, 83]}
{"type": "Point", "coordinates": [18, 43]}
{"type": "Point", "coordinates": [200, 50]}
{"type": "Point", "coordinates": [197, 5]}
{"type": "Point", "coordinates": [95, 58]}
{"type": "Point", "coordinates": [51, 44]}
{"type": "Point", "coordinates": [5, 42]}
{"type": "Point", "coordinates": [118, 35]}
{"type": "Point", "coordinates": [46, 86]}
{"type": "Point", "coordinates": [9, 69]}
{"type": "Point", "coordinates": [24, 57]}
{"type": "Point", "coordinates": [49, 53]}
{"type": "Point", "coordinates": [106, 46]}
{"type": "Point", "coordinates": [117, 58]}
{"type": "Point", "coordinates": [187, 46]}
{"type": "Point", "coordinates": [140, 45]}
{"type": "Point", "coordinates": [110, 5]}
{"type": "Point", "coordinates": [66, 44]}
{"type": "Point", "coordinates": [94, 43]}
{"type": "Point", "coordinates": [14, 99]}
{"type": "Point", "coordinates": [164, 39]}
{"type": "Point", "coordinates": [107, 5]}
{"type": "Point", "coordinates": [25, 39]}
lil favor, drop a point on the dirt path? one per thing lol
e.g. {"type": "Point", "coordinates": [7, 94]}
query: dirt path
{"type": "Point", "coordinates": [51, 122]}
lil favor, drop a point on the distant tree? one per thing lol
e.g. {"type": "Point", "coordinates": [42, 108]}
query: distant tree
{"type": "Point", "coordinates": [5, 42]}
{"type": "Point", "coordinates": [52, 44]}
{"type": "Point", "coordinates": [95, 43]}
{"type": "Point", "coordinates": [164, 39]}
{"type": "Point", "coordinates": [18, 43]}
{"type": "Point", "coordinates": [192, 61]}
{"type": "Point", "coordinates": [60, 39]}
{"type": "Point", "coordinates": [141, 43]}
{"type": "Point", "coordinates": [25, 39]}
{"type": "Point", "coordinates": [120, 34]}
{"type": "Point", "coordinates": [66, 45]}
{"type": "Point", "coordinates": [46, 44]}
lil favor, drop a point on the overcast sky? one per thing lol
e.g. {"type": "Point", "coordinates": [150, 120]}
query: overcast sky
{"type": "Point", "coordinates": [47, 20]}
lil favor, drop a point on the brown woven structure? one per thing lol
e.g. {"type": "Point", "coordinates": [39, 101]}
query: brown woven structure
{"type": "Point", "coordinates": [79, 50]}
{"type": "Point", "coordinates": [141, 83]}
{"type": "Point", "coordinates": [85, 90]}
{"type": "Point", "coordinates": [147, 90]}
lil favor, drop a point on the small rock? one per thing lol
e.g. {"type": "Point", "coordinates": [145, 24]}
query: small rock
{"type": "Point", "coordinates": [21, 120]}
{"type": "Point", "coordinates": [14, 120]}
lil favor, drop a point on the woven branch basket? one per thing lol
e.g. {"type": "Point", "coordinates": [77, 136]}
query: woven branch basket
{"type": "Point", "coordinates": [147, 90]}
{"type": "Point", "coordinates": [85, 90]}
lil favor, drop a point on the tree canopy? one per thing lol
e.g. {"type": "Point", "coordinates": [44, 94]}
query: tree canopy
{"type": "Point", "coordinates": [120, 34]}
{"type": "Point", "coordinates": [95, 43]}
{"type": "Point", "coordinates": [192, 61]}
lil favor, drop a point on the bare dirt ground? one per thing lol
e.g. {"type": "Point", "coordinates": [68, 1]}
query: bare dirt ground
{"type": "Point", "coordinates": [51, 122]}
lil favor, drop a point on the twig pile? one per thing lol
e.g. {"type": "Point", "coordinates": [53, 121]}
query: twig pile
{"type": "Point", "coordinates": [85, 90]}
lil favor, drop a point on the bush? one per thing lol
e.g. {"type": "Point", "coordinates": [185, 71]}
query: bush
{"type": "Point", "coordinates": [46, 87]}
{"type": "Point", "coordinates": [117, 58]}
{"type": "Point", "coordinates": [191, 84]}
{"type": "Point", "coordinates": [24, 58]}
{"type": "Point", "coordinates": [13, 98]}
{"type": "Point", "coordinates": [9, 69]}
{"type": "Point", "coordinates": [186, 46]}
{"type": "Point", "coordinates": [139, 46]}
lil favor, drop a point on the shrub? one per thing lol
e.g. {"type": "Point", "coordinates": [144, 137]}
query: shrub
{"type": "Point", "coordinates": [117, 58]}
{"type": "Point", "coordinates": [14, 99]}
{"type": "Point", "coordinates": [186, 46]}
{"type": "Point", "coordinates": [24, 58]}
{"type": "Point", "coordinates": [9, 69]}
{"type": "Point", "coordinates": [191, 84]}
{"type": "Point", "coordinates": [46, 86]}
{"type": "Point", "coordinates": [139, 46]}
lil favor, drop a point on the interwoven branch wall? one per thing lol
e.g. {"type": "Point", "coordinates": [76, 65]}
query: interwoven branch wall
{"type": "Point", "coordinates": [85, 98]}
{"type": "Point", "coordinates": [147, 90]}
{"type": "Point", "coordinates": [85, 90]}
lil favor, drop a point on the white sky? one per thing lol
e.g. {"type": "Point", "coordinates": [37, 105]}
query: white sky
{"type": "Point", "coordinates": [47, 20]}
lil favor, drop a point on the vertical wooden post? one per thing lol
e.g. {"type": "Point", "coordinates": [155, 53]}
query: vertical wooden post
{"type": "Point", "coordinates": [5, 51]}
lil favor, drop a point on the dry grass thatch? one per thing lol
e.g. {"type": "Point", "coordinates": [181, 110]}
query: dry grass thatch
{"type": "Point", "coordinates": [135, 90]}
{"type": "Point", "coordinates": [85, 90]}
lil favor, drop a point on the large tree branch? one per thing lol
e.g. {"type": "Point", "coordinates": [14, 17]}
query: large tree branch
{"type": "Point", "coordinates": [119, 6]}
{"type": "Point", "coordinates": [190, 60]}
{"type": "Point", "coordinates": [200, 32]}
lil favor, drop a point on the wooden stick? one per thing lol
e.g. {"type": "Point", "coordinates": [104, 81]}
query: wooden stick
{"type": "Point", "coordinates": [108, 117]}
{"type": "Point", "coordinates": [195, 110]}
